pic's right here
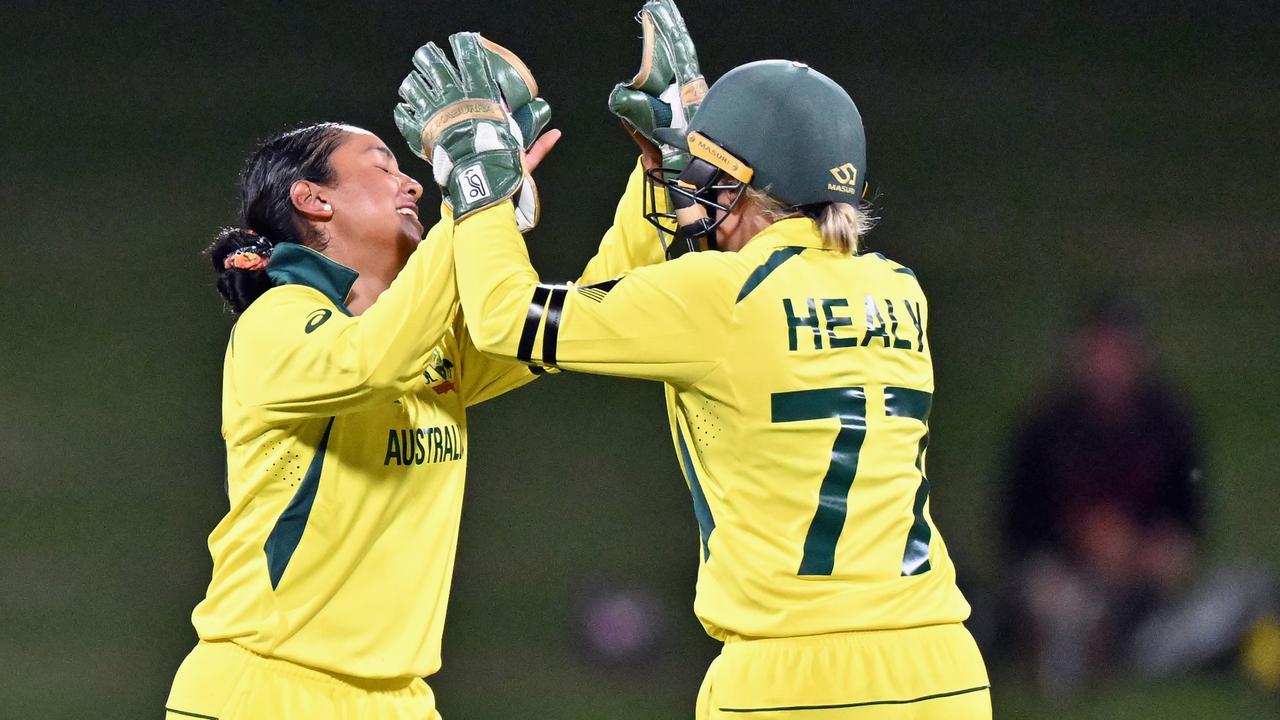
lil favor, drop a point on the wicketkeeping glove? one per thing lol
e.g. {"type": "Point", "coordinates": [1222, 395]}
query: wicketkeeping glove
{"type": "Point", "coordinates": [473, 123]}
{"type": "Point", "coordinates": [529, 114]}
{"type": "Point", "coordinates": [658, 103]}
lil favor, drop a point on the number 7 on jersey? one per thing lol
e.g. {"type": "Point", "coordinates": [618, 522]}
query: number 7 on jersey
{"type": "Point", "coordinates": [849, 406]}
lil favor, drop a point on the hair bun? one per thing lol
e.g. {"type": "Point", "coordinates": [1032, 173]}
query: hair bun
{"type": "Point", "coordinates": [240, 249]}
{"type": "Point", "coordinates": [238, 255]}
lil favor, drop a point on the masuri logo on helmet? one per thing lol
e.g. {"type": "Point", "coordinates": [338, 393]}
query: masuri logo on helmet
{"type": "Point", "coordinates": [701, 147]}
{"type": "Point", "coordinates": [846, 174]}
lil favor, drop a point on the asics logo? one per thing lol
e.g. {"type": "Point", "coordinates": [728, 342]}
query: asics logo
{"type": "Point", "coordinates": [317, 318]}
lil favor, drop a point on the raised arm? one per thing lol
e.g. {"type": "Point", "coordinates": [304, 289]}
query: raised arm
{"type": "Point", "coordinates": [664, 322]}
{"type": "Point", "coordinates": [295, 354]}
{"type": "Point", "coordinates": [631, 242]}
{"type": "Point", "coordinates": [661, 322]}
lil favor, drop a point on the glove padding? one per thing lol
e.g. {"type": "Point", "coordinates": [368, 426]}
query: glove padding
{"type": "Point", "coordinates": [473, 124]}
{"type": "Point", "coordinates": [529, 113]}
{"type": "Point", "coordinates": [657, 104]}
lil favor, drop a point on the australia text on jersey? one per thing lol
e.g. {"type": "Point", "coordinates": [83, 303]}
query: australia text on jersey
{"type": "Point", "coordinates": [415, 446]}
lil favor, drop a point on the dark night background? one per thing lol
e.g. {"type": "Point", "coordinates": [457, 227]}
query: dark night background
{"type": "Point", "coordinates": [1027, 155]}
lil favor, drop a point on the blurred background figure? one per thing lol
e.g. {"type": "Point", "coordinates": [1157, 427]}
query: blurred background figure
{"type": "Point", "coordinates": [1104, 516]}
{"type": "Point", "coordinates": [618, 627]}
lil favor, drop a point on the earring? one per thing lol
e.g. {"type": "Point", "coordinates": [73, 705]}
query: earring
{"type": "Point", "coordinates": [328, 207]}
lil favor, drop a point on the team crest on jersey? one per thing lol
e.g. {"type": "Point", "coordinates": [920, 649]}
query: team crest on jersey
{"type": "Point", "coordinates": [439, 373]}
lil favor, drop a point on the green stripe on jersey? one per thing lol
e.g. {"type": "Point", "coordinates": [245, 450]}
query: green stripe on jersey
{"type": "Point", "coordinates": [184, 713]}
{"type": "Point", "coordinates": [701, 511]}
{"type": "Point", "coordinates": [287, 533]}
{"type": "Point", "coordinates": [758, 276]}
{"type": "Point", "coordinates": [869, 703]}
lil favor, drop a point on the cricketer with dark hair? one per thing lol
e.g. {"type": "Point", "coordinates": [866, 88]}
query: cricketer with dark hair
{"type": "Point", "coordinates": [345, 386]}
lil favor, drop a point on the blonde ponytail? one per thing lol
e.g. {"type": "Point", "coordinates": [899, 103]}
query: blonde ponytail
{"type": "Point", "coordinates": [841, 225]}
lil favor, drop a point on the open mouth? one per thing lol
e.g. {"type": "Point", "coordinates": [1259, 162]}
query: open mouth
{"type": "Point", "coordinates": [408, 212]}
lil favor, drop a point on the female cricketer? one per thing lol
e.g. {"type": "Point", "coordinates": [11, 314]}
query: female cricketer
{"type": "Point", "coordinates": [798, 384]}
{"type": "Point", "coordinates": [345, 386]}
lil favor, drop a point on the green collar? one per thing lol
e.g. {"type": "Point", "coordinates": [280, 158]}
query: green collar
{"type": "Point", "coordinates": [293, 264]}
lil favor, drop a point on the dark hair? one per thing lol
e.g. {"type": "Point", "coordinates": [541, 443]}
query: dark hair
{"type": "Point", "coordinates": [267, 215]}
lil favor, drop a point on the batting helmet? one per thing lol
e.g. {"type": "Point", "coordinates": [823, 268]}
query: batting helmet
{"type": "Point", "coordinates": [779, 126]}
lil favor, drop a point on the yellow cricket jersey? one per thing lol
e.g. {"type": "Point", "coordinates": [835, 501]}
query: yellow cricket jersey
{"type": "Point", "coordinates": [798, 383]}
{"type": "Point", "coordinates": [346, 447]}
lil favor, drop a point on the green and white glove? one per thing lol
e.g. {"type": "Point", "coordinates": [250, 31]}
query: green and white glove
{"type": "Point", "coordinates": [473, 123]}
{"type": "Point", "coordinates": [529, 114]}
{"type": "Point", "coordinates": [657, 104]}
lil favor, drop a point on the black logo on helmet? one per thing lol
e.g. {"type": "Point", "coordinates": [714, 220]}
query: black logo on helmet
{"type": "Point", "coordinates": [317, 318]}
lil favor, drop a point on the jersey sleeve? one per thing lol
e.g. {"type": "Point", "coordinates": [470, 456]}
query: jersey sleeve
{"type": "Point", "coordinates": [484, 377]}
{"type": "Point", "coordinates": [294, 355]}
{"type": "Point", "coordinates": [631, 242]}
{"type": "Point", "coordinates": [664, 322]}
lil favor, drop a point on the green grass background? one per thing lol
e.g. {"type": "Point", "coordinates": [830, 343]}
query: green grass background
{"type": "Point", "coordinates": [1027, 155]}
